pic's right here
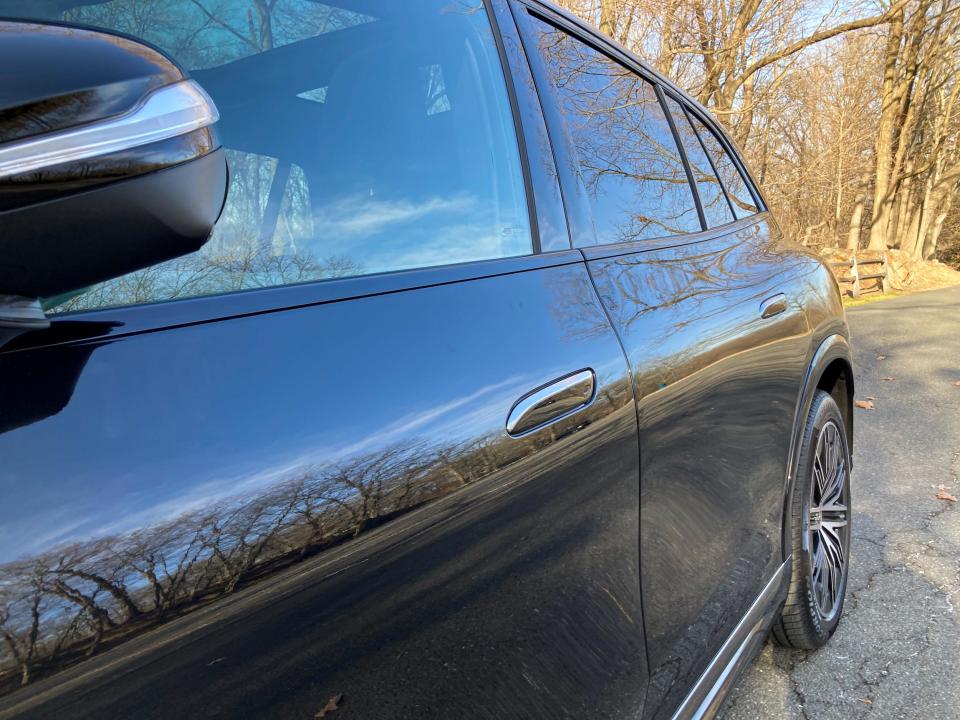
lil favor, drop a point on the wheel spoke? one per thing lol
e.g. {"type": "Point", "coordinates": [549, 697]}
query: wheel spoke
{"type": "Point", "coordinates": [817, 574]}
{"type": "Point", "coordinates": [833, 466]}
{"type": "Point", "coordinates": [834, 444]}
{"type": "Point", "coordinates": [815, 557]}
{"type": "Point", "coordinates": [834, 488]}
{"type": "Point", "coordinates": [818, 477]}
{"type": "Point", "coordinates": [836, 577]}
{"type": "Point", "coordinates": [832, 546]}
{"type": "Point", "coordinates": [833, 523]}
{"type": "Point", "coordinates": [826, 583]}
{"type": "Point", "coordinates": [834, 509]}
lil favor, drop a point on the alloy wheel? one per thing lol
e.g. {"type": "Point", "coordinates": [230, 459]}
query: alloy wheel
{"type": "Point", "coordinates": [829, 520]}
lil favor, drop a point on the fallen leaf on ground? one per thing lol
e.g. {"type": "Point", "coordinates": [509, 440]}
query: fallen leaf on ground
{"type": "Point", "coordinates": [881, 357]}
{"type": "Point", "coordinates": [865, 701]}
{"type": "Point", "coordinates": [333, 704]}
{"type": "Point", "coordinates": [887, 378]}
{"type": "Point", "coordinates": [864, 404]}
{"type": "Point", "coordinates": [944, 494]}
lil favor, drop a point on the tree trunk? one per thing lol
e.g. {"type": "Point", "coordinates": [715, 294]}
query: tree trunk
{"type": "Point", "coordinates": [608, 17]}
{"type": "Point", "coordinates": [838, 204]}
{"type": "Point", "coordinates": [889, 110]}
{"type": "Point", "coordinates": [902, 215]}
{"type": "Point", "coordinates": [856, 218]}
{"type": "Point", "coordinates": [118, 592]}
{"type": "Point", "coordinates": [15, 653]}
{"type": "Point", "coordinates": [928, 211]}
{"type": "Point", "coordinates": [930, 242]}
{"type": "Point", "coordinates": [911, 242]}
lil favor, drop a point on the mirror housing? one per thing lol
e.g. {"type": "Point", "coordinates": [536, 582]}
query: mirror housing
{"type": "Point", "coordinates": [109, 163]}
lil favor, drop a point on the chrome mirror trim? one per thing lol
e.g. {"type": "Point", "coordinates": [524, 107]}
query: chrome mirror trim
{"type": "Point", "coordinates": [168, 112]}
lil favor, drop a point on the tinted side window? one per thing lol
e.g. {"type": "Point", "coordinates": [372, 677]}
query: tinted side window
{"type": "Point", "coordinates": [628, 158]}
{"type": "Point", "coordinates": [716, 209]}
{"type": "Point", "coordinates": [362, 137]}
{"type": "Point", "coordinates": [733, 181]}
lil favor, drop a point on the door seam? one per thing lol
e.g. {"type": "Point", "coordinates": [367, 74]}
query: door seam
{"type": "Point", "coordinates": [636, 412]}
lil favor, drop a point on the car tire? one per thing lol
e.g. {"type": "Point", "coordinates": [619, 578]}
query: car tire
{"type": "Point", "coordinates": [819, 530]}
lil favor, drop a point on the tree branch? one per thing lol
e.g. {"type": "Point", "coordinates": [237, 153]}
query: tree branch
{"type": "Point", "coordinates": [820, 36]}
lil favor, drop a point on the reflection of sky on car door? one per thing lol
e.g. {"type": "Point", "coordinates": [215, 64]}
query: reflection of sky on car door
{"type": "Point", "coordinates": [228, 427]}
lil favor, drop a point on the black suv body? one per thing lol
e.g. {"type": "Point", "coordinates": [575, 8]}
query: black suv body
{"type": "Point", "coordinates": [494, 394]}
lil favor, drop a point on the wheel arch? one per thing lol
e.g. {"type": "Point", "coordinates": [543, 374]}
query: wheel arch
{"type": "Point", "coordinates": [831, 370]}
{"type": "Point", "coordinates": [837, 380]}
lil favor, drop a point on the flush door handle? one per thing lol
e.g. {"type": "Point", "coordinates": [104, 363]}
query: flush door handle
{"type": "Point", "coordinates": [773, 306]}
{"type": "Point", "coordinates": [552, 402]}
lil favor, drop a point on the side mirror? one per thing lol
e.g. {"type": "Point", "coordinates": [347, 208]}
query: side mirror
{"type": "Point", "coordinates": [109, 163]}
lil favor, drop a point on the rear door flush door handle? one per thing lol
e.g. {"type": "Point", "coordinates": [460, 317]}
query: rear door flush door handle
{"type": "Point", "coordinates": [773, 306]}
{"type": "Point", "coordinates": [552, 402]}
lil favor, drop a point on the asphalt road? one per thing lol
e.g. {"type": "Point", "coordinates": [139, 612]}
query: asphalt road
{"type": "Point", "coordinates": [896, 653]}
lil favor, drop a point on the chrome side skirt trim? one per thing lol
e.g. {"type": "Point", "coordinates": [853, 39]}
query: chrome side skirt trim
{"type": "Point", "coordinates": [704, 699]}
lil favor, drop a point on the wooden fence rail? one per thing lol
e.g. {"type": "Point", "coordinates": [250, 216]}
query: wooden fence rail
{"type": "Point", "coordinates": [856, 276]}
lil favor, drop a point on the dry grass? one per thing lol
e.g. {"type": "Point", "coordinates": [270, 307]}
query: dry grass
{"type": "Point", "coordinates": [869, 298]}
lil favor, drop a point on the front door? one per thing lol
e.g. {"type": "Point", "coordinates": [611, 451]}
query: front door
{"type": "Point", "coordinates": [367, 452]}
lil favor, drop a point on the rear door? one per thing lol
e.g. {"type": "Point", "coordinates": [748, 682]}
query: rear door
{"type": "Point", "coordinates": [708, 303]}
{"type": "Point", "coordinates": [275, 478]}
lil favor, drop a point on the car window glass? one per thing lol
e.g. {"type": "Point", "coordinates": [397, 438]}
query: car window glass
{"type": "Point", "coordinates": [628, 159]}
{"type": "Point", "coordinates": [737, 190]}
{"type": "Point", "coordinates": [363, 136]}
{"type": "Point", "coordinates": [716, 209]}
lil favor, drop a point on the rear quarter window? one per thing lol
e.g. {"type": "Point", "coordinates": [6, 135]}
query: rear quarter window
{"type": "Point", "coordinates": [713, 199]}
{"type": "Point", "coordinates": [736, 185]}
{"type": "Point", "coordinates": [628, 160]}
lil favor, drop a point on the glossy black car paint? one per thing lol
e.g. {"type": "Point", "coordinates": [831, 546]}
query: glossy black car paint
{"type": "Point", "coordinates": [491, 588]}
{"type": "Point", "coordinates": [480, 575]}
{"type": "Point", "coordinates": [715, 426]}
